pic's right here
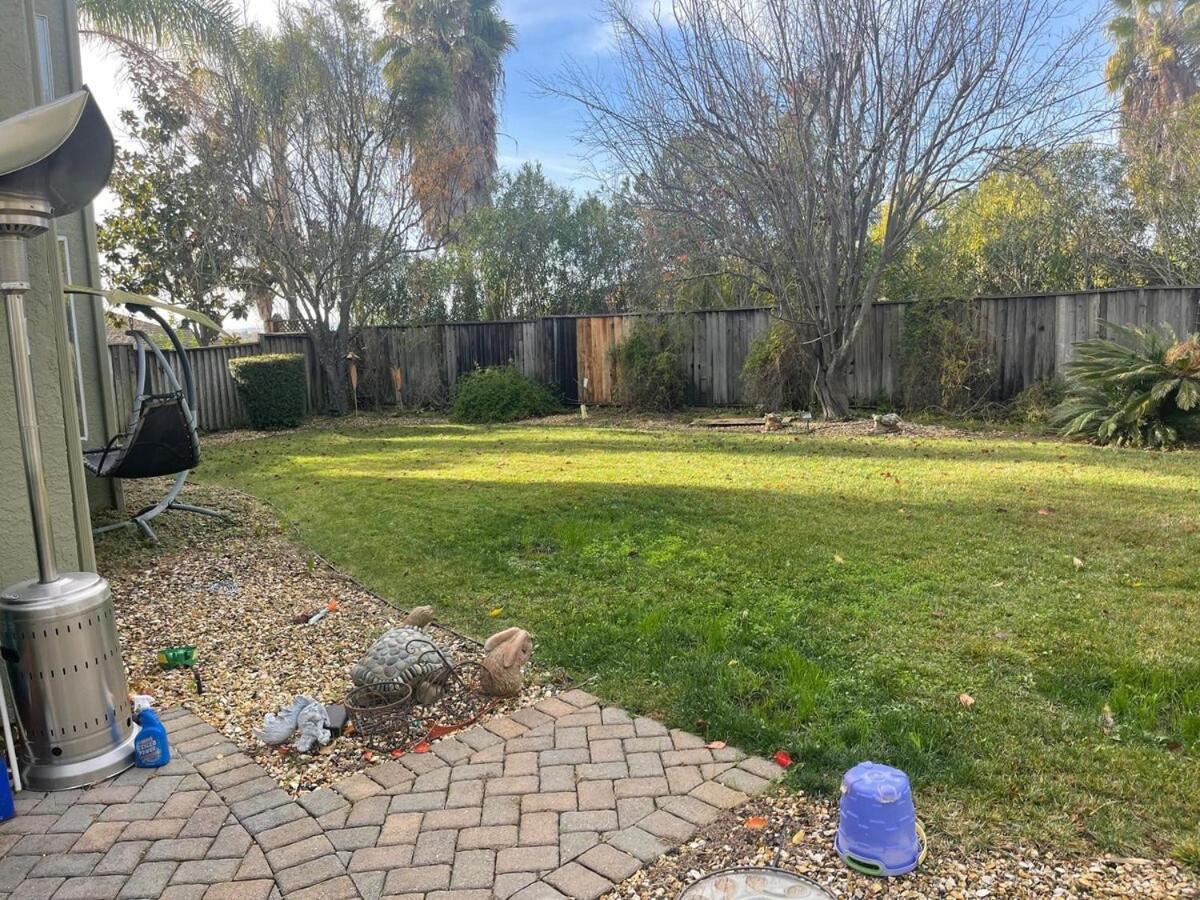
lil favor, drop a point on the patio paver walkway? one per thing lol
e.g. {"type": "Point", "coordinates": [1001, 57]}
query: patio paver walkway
{"type": "Point", "coordinates": [562, 799]}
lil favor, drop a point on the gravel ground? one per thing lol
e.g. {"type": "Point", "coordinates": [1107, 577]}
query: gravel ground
{"type": "Point", "coordinates": [798, 837]}
{"type": "Point", "coordinates": [233, 592]}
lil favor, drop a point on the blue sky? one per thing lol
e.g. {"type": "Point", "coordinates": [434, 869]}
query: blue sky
{"type": "Point", "coordinates": [535, 126]}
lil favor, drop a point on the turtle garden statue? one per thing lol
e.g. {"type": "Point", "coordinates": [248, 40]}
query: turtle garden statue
{"type": "Point", "coordinates": [889, 423]}
{"type": "Point", "coordinates": [406, 654]}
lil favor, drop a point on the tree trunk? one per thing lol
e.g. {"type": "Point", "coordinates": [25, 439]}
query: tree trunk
{"type": "Point", "coordinates": [833, 392]}
{"type": "Point", "coordinates": [337, 386]}
{"type": "Point", "coordinates": [332, 354]}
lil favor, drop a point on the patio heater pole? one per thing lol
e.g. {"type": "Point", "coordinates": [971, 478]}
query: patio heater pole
{"type": "Point", "coordinates": [16, 226]}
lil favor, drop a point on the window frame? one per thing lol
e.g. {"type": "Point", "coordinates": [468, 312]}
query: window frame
{"type": "Point", "coordinates": [45, 58]}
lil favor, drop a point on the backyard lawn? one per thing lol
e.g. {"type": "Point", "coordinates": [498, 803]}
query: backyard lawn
{"type": "Point", "coordinates": [962, 608]}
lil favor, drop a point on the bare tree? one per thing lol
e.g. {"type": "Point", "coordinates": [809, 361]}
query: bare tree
{"type": "Point", "coordinates": [324, 166]}
{"type": "Point", "coordinates": [776, 133]}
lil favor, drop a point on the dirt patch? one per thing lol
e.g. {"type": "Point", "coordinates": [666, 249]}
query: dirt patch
{"type": "Point", "coordinates": [234, 591]}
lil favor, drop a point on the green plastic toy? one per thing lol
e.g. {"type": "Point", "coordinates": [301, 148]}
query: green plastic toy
{"type": "Point", "coordinates": [177, 657]}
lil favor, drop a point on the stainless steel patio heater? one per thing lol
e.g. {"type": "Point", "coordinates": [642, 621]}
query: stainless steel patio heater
{"type": "Point", "coordinates": [57, 633]}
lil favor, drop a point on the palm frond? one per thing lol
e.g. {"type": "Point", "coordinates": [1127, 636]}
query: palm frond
{"type": "Point", "coordinates": [190, 26]}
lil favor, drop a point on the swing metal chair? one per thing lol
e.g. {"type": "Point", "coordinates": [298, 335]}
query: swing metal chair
{"type": "Point", "coordinates": [161, 437]}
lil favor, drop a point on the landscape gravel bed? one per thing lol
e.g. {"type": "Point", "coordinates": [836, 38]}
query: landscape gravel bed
{"type": "Point", "coordinates": [797, 833]}
{"type": "Point", "coordinates": [234, 592]}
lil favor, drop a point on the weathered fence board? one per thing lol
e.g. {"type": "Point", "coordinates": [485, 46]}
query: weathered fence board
{"type": "Point", "coordinates": [1030, 338]}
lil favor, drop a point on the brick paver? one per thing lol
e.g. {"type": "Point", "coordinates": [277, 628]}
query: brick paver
{"type": "Point", "coordinates": [563, 799]}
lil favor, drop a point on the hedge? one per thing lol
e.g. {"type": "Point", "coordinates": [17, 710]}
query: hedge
{"type": "Point", "coordinates": [273, 388]}
{"type": "Point", "coordinates": [500, 394]}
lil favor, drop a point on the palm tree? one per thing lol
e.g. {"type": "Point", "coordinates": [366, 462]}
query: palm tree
{"type": "Point", "coordinates": [142, 30]}
{"type": "Point", "coordinates": [449, 54]}
{"type": "Point", "coordinates": [1156, 50]}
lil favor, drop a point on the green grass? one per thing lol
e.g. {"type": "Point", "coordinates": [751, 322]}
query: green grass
{"type": "Point", "coordinates": [833, 597]}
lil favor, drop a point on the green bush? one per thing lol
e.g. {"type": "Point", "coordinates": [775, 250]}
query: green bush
{"type": "Point", "coordinates": [1144, 392]}
{"type": "Point", "coordinates": [273, 388]}
{"type": "Point", "coordinates": [776, 375]}
{"type": "Point", "coordinates": [650, 368]}
{"type": "Point", "coordinates": [945, 365]}
{"type": "Point", "coordinates": [499, 394]}
{"type": "Point", "coordinates": [1036, 404]}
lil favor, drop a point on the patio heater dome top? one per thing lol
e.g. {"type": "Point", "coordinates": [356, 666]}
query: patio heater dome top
{"type": "Point", "coordinates": [60, 152]}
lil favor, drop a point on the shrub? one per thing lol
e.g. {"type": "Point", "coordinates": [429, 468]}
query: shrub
{"type": "Point", "coordinates": [273, 388]}
{"type": "Point", "coordinates": [499, 394]}
{"type": "Point", "coordinates": [649, 367]}
{"type": "Point", "coordinates": [1036, 404]}
{"type": "Point", "coordinates": [776, 375]}
{"type": "Point", "coordinates": [944, 363]}
{"type": "Point", "coordinates": [1141, 393]}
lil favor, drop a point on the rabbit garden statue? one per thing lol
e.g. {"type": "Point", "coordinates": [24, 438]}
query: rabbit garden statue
{"type": "Point", "coordinates": [507, 651]}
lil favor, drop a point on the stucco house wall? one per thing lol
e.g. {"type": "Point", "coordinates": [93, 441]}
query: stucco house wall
{"type": "Point", "coordinates": [39, 39]}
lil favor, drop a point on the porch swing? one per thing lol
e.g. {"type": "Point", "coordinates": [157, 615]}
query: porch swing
{"type": "Point", "coordinates": [161, 437]}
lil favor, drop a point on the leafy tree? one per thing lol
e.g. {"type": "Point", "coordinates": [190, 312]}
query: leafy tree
{"type": "Point", "coordinates": [155, 35]}
{"type": "Point", "coordinates": [1067, 223]}
{"type": "Point", "coordinates": [1163, 174]}
{"type": "Point", "coordinates": [180, 24]}
{"type": "Point", "coordinates": [535, 250]}
{"type": "Point", "coordinates": [173, 232]}
{"type": "Point", "coordinates": [453, 51]}
{"type": "Point", "coordinates": [322, 169]}
{"type": "Point", "coordinates": [1153, 64]}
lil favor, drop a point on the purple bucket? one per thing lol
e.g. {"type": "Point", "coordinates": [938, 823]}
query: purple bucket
{"type": "Point", "coordinates": [877, 827]}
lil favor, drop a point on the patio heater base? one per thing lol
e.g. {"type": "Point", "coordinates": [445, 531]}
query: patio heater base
{"type": "Point", "coordinates": [59, 643]}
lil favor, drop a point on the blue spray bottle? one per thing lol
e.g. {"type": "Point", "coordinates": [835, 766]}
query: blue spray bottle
{"type": "Point", "coordinates": [6, 798]}
{"type": "Point", "coordinates": [151, 748]}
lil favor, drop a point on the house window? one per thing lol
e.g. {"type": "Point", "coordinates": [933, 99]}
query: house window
{"type": "Point", "coordinates": [64, 267]}
{"type": "Point", "coordinates": [45, 64]}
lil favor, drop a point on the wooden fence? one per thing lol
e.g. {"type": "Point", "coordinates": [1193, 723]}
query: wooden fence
{"type": "Point", "coordinates": [1030, 338]}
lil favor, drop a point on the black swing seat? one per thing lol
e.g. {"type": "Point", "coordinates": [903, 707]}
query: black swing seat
{"type": "Point", "coordinates": [160, 441]}
{"type": "Point", "coordinates": [161, 438]}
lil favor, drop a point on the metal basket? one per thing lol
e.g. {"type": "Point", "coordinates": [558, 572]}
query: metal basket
{"type": "Point", "coordinates": [379, 710]}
